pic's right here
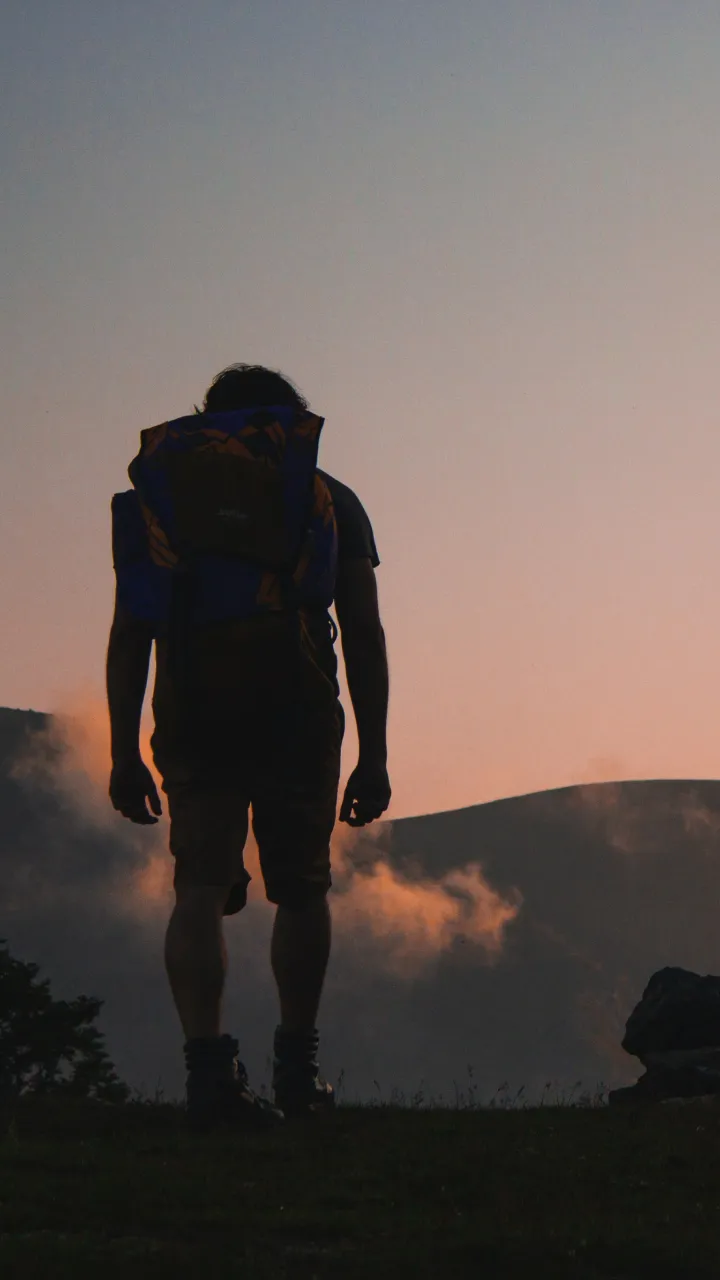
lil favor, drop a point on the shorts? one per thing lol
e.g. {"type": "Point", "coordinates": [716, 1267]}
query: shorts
{"type": "Point", "coordinates": [282, 760]}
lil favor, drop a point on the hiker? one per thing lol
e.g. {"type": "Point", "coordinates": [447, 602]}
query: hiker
{"type": "Point", "coordinates": [228, 552]}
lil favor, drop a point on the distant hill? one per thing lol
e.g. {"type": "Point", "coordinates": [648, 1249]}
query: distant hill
{"type": "Point", "coordinates": [616, 880]}
{"type": "Point", "coordinates": [15, 728]}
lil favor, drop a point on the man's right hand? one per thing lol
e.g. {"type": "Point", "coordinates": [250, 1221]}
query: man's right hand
{"type": "Point", "coordinates": [131, 790]}
{"type": "Point", "coordinates": [367, 795]}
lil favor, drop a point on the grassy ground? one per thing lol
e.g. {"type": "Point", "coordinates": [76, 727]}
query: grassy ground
{"type": "Point", "coordinates": [581, 1193]}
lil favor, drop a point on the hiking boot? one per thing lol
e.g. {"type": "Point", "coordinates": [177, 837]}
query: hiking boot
{"type": "Point", "coordinates": [218, 1093]}
{"type": "Point", "coordinates": [298, 1087]}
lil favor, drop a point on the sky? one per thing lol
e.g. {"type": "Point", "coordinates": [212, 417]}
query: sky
{"type": "Point", "coordinates": [483, 240]}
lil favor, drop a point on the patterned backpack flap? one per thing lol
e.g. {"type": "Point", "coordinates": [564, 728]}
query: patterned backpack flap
{"type": "Point", "coordinates": [316, 570]}
{"type": "Point", "coordinates": [233, 503]}
{"type": "Point", "coordinates": [143, 586]}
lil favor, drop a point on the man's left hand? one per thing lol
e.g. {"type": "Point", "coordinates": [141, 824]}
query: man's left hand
{"type": "Point", "coordinates": [367, 794]}
{"type": "Point", "coordinates": [131, 790]}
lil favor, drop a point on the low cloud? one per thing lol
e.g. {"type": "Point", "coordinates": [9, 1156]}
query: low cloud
{"type": "Point", "coordinates": [411, 921]}
{"type": "Point", "coordinates": [403, 923]}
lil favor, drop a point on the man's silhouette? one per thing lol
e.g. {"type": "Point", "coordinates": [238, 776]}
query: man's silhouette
{"type": "Point", "coordinates": [263, 728]}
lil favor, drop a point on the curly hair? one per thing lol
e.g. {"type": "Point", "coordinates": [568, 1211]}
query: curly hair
{"type": "Point", "coordinates": [242, 386]}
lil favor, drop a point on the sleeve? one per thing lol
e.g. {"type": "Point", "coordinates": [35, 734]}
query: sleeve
{"type": "Point", "coordinates": [356, 540]}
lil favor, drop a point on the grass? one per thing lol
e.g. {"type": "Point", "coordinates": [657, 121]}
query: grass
{"type": "Point", "coordinates": [393, 1188]}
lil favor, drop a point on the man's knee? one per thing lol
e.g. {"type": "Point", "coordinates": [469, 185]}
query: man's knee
{"type": "Point", "coordinates": [231, 896]}
{"type": "Point", "coordinates": [299, 897]}
{"type": "Point", "coordinates": [200, 896]}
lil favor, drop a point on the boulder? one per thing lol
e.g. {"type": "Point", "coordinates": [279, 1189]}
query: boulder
{"type": "Point", "coordinates": [675, 1032]}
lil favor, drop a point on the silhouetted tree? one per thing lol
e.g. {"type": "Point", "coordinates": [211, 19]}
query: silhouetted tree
{"type": "Point", "coordinates": [47, 1045]}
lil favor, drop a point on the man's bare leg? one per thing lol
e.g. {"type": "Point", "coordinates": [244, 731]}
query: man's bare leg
{"type": "Point", "coordinates": [299, 954]}
{"type": "Point", "coordinates": [196, 958]}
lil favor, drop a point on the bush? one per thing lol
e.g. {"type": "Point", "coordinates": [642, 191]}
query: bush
{"type": "Point", "coordinates": [50, 1046]}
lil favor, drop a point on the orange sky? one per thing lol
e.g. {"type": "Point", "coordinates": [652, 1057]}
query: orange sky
{"type": "Point", "coordinates": [484, 243]}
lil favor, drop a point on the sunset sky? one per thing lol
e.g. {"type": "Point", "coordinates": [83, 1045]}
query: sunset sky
{"type": "Point", "coordinates": [484, 239]}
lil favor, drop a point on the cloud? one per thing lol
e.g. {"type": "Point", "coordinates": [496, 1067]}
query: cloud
{"type": "Point", "coordinates": [403, 924]}
{"type": "Point", "coordinates": [408, 923]}
{"type": "Point", "coordinates": [69, 759]}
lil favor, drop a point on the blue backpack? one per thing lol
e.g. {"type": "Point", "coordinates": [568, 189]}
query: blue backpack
{"type": "Point", "coordinates": [227, 519]}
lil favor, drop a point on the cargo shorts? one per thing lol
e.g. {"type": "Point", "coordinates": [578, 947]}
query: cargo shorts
{"type": "Point", "coordinates": [278, 757]}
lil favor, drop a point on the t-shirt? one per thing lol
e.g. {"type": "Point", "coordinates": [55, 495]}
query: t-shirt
{"type": "Point", "coordinates": [356, 539]}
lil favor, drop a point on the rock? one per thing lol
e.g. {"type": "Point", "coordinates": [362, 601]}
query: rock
{"type": "Point", "coordinates": [679, 1010]}
{"type": "Point", "coordinates": [675, 1032]}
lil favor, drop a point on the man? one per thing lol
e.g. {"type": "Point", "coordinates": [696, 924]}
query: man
{"type": "Point", "coordinates": [264, 729]}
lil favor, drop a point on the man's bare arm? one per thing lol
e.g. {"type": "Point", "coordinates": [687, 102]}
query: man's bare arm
{"type": "Point", "coordinates": [366, 666]}
{"type": "Point", "coordinates": [128, 663]}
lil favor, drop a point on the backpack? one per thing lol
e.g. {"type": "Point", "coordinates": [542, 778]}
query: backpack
{"type": "Point", "coordinates": [228, 520]}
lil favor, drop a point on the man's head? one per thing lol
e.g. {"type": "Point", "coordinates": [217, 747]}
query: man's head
{"type": "Point", "coordinates": [243, 386]}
